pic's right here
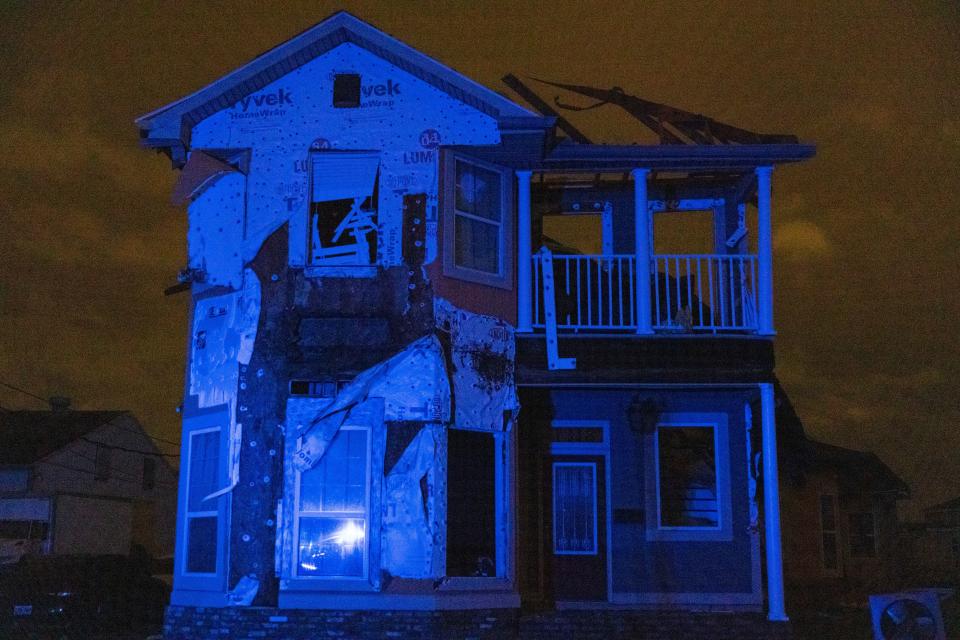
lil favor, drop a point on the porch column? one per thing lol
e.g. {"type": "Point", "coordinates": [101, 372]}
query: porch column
{"type": "Point", "coordinates": [524, 259]}
{"type": "Point", "coordinates": [771, 505]}
{"type": "Point", "coordinates": [765, 251]}
{"type": "Point", "coordinates": [641, 251]}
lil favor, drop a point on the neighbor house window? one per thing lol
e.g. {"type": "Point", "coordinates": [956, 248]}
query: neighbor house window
{"type": "Point", "coordinates": [102, 463]}
{"type": "Point", "coordinates": [332, 509]}
{"type": "Point", "coordinates": [863, 535]}
{"type": "Point", "coordinates": [828, 531]}
{"type": "Point", "coordinates": [477, 241]}
{"type": "Point", "coordinates": [687, 477]}
{"type": "Point", "coordinates": [149, 478]}
{"type": "Point", "coordinates": [575, 508]}
{"type": "Point", "coordinates": [202, 513]}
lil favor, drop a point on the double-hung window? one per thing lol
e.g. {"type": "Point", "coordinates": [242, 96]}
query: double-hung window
{"type": "Point", "coordinates": [477, 232]}
{"type": "Point", "coordinates": [863, 535]}
{"type": "Point", "coordinates": [202, 514]}
{"type": "Point", "coordinates": [332, 515]}
{"type": "Point", "coordinates": [828, 532]}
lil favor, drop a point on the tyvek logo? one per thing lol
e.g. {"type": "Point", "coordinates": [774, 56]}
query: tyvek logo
{"type": "Point", "coordinates": [389, 89]}
{"type": "Point", "coordinates": [281, 97]}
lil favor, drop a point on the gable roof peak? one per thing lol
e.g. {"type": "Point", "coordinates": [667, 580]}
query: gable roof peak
{"type": "Point", "coordinates": [172, 122]}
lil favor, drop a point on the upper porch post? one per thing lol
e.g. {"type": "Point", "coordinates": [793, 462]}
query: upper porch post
{"type": "Point", "coordinates": [765, 251]}
{"type": "Point", "coordinates": [642, 251]}
{"type": "Point", "coordinates": [524, 257]}
{"type": "Point", "coordinates": [776, 609]}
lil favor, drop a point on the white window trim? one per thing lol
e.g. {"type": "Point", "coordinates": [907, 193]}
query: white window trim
{"type": "Point", "coordinates": [504, 278]}
{"type": "Point", "coordinates": [596, 542]}
{"type": "Point", "coordinates": [724, 529]}
{"type": "Point", "coordinates": [298, 514]}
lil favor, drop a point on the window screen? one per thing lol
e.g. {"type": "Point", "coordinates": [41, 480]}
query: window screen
{"type": "Point", "coordinates": [687, 477]}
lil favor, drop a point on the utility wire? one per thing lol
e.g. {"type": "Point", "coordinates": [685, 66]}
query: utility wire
{"type": "Point", "coordinates": [24, 392]}
{"type": "Point", "coordinates": [119, 448]}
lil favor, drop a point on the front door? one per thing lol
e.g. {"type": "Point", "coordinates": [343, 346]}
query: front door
{"type": "Point", "coordinates": [579, 526]}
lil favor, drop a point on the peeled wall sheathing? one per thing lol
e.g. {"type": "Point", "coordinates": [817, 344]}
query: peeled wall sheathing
{"type": "Point", "coordinates": [483, 354]}
{"type": "Point", "coordinates": [224, 330]}
{"type": "Point", "coordinates": [411, 527]}
{"type": "Point", "coordinates": [413, 385]}
{"type": "Point", "coordinates": [402, 118]}
{"type": "Point", "coordinates": [215, 232]}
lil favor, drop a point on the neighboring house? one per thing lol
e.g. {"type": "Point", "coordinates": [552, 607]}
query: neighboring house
{"type": "Point", "coordinates": [841, 531]}
{"type": "Point", "coordinates": [82, 482]}
{"type": "Point", "coordinates": [933, 545]}
{"type": "Point", "coordinates": [396, 400]}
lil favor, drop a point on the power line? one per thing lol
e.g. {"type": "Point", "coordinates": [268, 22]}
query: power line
{"type": "Point", "coordinates": [24, 392]}
{"type": "Point", "coordinates": [119, 448]}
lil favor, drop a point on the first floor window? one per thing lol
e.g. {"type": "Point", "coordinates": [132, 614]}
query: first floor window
{"type": "Point", "coordinates": [471, 504]}
{"type": "Point", "coordinates": [863, 535]}
{"type": "Point", "coordinates": [332, 509]}
{"type": "Point", "coordinates": [828, 531]}
{"type": "Point", "coordinates": [201, 512]}
{"type": "Point", "coordinates": [575, 508]}
{"type": "Point", "coordinates": [687, 477]}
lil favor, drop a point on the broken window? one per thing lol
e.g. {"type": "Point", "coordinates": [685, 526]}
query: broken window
{"type": "Point", "coordinates": [332, 505]}
{"type": "Point", "coordinates": [687, 477]}
{"type": "Point", "coordinates": [478, 219]}
{"type": "Point", "coordinates": [202, 513]}
{"type": "Point", "coordinates": [471, 500]}
{"type": "Point", "coordinates": [343, 209]}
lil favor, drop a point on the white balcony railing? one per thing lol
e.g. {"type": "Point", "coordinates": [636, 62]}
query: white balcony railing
{"type": "Point", "coordinates": [690, 293]}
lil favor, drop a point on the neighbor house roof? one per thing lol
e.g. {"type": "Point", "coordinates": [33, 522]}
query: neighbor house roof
{"type": "Point", "coordinates": [860, 471]}
{"type": "Point", "coordinates": [29, 436]}
{"type": "Point", "coordinates": [170, 123]}
{"type": "Point", "coordinates": [949, 505]}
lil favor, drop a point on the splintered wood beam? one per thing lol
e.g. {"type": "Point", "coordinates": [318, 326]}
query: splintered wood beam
{"type": "Point", "coordinates": [545, 109]}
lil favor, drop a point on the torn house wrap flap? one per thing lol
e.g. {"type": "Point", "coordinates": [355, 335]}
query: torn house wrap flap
{"type": "Point", "coordinates": [413, 385]}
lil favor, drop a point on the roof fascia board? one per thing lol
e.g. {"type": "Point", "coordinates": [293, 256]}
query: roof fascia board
{"type": "Point", "coordinates": [338, 29]}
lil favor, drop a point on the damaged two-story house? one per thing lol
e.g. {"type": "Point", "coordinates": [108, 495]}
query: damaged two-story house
{"type": "Point", "coordinates": [448, 354]}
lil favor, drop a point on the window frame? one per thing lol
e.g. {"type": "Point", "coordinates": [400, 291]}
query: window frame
{"type": "Point", "coordinates": [103, 463]}
{"type": "Point", "coordinates": [835, 532]}
{"type": "Point", "coordinates": [595, 503]}
{"type": "Point", "coordinates": [297, 515]}
{"type": "Point", "coordinates": [503, 279]}
{"type": "Point", "coordinates": [723, 532]}
{"type": "Point", "coordinates": [205, 421]}
{"type": "Point", "coordinates": [873, 536]}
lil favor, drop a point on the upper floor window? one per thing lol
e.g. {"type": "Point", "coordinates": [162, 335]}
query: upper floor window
{"type": "Point", "coordinates": [346, 90]}
{"type": "Point", "coordinates": [343, 208]}
{"type": "Point", "coordinates": [477, 238]}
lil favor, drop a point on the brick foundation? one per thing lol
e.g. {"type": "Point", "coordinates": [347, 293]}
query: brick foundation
{"type": "Point", "coordinates": [190, 623]}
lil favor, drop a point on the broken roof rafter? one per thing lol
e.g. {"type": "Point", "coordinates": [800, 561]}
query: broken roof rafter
{"type": "Point", "coordinates": [670, 124]}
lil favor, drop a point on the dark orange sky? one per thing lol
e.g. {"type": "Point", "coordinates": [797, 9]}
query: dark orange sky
{"type": "Point", "coordinates": [866, 234]}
